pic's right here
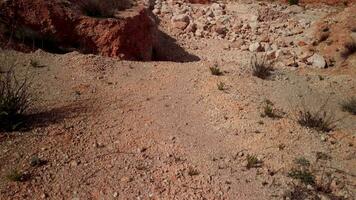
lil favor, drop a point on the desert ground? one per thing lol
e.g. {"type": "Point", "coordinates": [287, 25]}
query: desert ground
{"type": "Point", "coordinates": [101, 126]}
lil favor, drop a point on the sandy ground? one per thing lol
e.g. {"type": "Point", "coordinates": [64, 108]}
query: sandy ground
{"type": "Point", "coordinates": [112, 129]}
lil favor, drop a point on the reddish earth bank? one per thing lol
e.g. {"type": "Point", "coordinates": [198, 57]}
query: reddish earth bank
{"type": "Point", "coordinates": [62, 27]}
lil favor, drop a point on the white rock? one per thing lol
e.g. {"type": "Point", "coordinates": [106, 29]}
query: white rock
{"type": "Point", "coordinates": [156, 11]}
{"type": "Point", "coordinates": [255, 47]}
{"type": "Point", "coordinates": [317, 61]}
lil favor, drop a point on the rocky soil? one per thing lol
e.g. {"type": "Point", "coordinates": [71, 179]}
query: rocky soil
{"type": "Point", "coordinates": [169, 129]}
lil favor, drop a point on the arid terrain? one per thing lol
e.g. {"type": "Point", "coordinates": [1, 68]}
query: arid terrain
{"type": "Point", "coordinates": [160, 101]}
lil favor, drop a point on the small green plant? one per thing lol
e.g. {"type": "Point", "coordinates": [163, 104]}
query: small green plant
{"type": "Point", "coordinates": [322, 156]}
{"type": "Point", "coordinates": [350, 48]}
{"type": "Point", "coordinates": [221, 86]}
{"type": "Point", "coordinates": [303, 162]}
{"type": "Point", "coordinates": [36, 162]}
{"type": "Point", "coordinates": [15, 176]}
{"type": "Point", "coordinates": [260, 67]}
{"type": "Point", "coordinates": [304, 176]}
{"type": "Point", "coordinates": [253, 162]}
{"type": "Point", "coordinates": [349, 105]}
{"type": "Point", "coordinates": [320, 121]}
{"type": "Point", "coordinates": [270, 111]}
{"type": "Point", "coordinates": [293, 2]}
{"type": "Point", "coordinates": [14, 101]}
{"type": "Point", "coordinates": [215, 70]}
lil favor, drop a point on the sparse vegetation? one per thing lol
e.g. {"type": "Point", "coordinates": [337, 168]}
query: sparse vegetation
{"type": "Point", "coordinates": [102, 8]}
{"type": "Point", "coordinates": [260, 67]}
{"type": "Point", "coordinates": [221, 86]}
{"type": "Point", "coordinates": [293, 2]}
{"type": "Point", "coordinates": [253, 162]}
{"type": "Point", "coordinates": [350, 48]}
{"type": "Point", "coordinates": [322, 156]}
{"type": "Point", "coordinates": [269, 111]}
{"type": "Point", "coordinates": [320, 120]}
{"type": "Point", "coordinates": [303, 162]}
{"type": "Point", "coordinates": [305, 176]}
{"type": "Point", "coordinates": [215, 70]}
{"type": "Point", "coordinates": [349, 105]}
{"type": "Point", "coordinates": [36, 161]}
{"type": "Point", "coordinates": [15, 175]}
{"type": "Point", "coordinates": [14, 101]}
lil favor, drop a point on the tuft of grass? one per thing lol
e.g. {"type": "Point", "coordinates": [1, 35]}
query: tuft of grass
{"type": "Point", "coordinates": [320, 120]}
{"type": "Point", "coordinates": [322, 156]}
{"type": "Point", "coordinates": [221, 86]}
{"type": "Point", "coordinates": [37, 162]}
{"type": "Point", "coordinates": [303, 162]}
{"type": "Point", "coordinates": [304, 176]}
{"type": "Point", "coordinates": [293, 2]}
{"type": "Point", "coordinates": [269, 111]}
{"type": "Point", "coordinates": [14, 101]}
{"type": "Point", "coordinates": [253, 162]}
{"type": "Point", "coordinates": [261, 68]}
{"type": "Point", "coordinates": [16, 176]}
{"type": "Point", "coordinates": [349, 105]}
{"type": "Point", "coordinates": [215, 70]}
{"type": "Point", "coordinates": [350, 48]}
{"type": "Point", "coordinates": [102, 8]}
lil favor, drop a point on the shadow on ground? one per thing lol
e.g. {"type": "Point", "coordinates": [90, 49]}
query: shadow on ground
{"type": "Point", "coordinates": [55, 115]}
{"type": "Point", "coordinates": [167, 49]}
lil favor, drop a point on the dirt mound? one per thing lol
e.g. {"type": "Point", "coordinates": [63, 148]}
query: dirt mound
{"type": "Point", "coordinates": [60, 26]}
{"type": "Point", "coordinates": [334, 32]}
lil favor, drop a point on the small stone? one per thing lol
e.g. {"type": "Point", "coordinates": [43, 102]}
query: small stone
{"type": "Point", "coordinates": [180, 25]}
{"type": "Point", "coordinates": [115, 194]}
{"type": "Point", "coordinates": [74, 163]}
{"type": "Point", "coordinates": [156, 11]}
{"type": "Point", "coordinates": [255, 47]}
{"type": "Point", "coordinates": [43, 195]}
{"type": "Point", "coordinates": [317, 61]}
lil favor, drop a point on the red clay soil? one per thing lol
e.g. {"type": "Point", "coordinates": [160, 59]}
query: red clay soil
{"type": "Point", "coordinates": [331, 37]}
{"type": "Point", "coordinates": [129, 37]}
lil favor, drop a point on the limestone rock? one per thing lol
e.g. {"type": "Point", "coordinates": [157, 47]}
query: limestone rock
{"type": "Point", "coordinates": [317, 61]}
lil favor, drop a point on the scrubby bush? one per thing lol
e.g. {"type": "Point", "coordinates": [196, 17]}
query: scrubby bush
{"type": "Point", "coordinates": [215, 70]}
{"type": "Point", "coordinates": [261, 68]}
{"type": "Point", "coordinates": [14, 101]}
{"type": "Point", "coordinates": [320, 120]}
